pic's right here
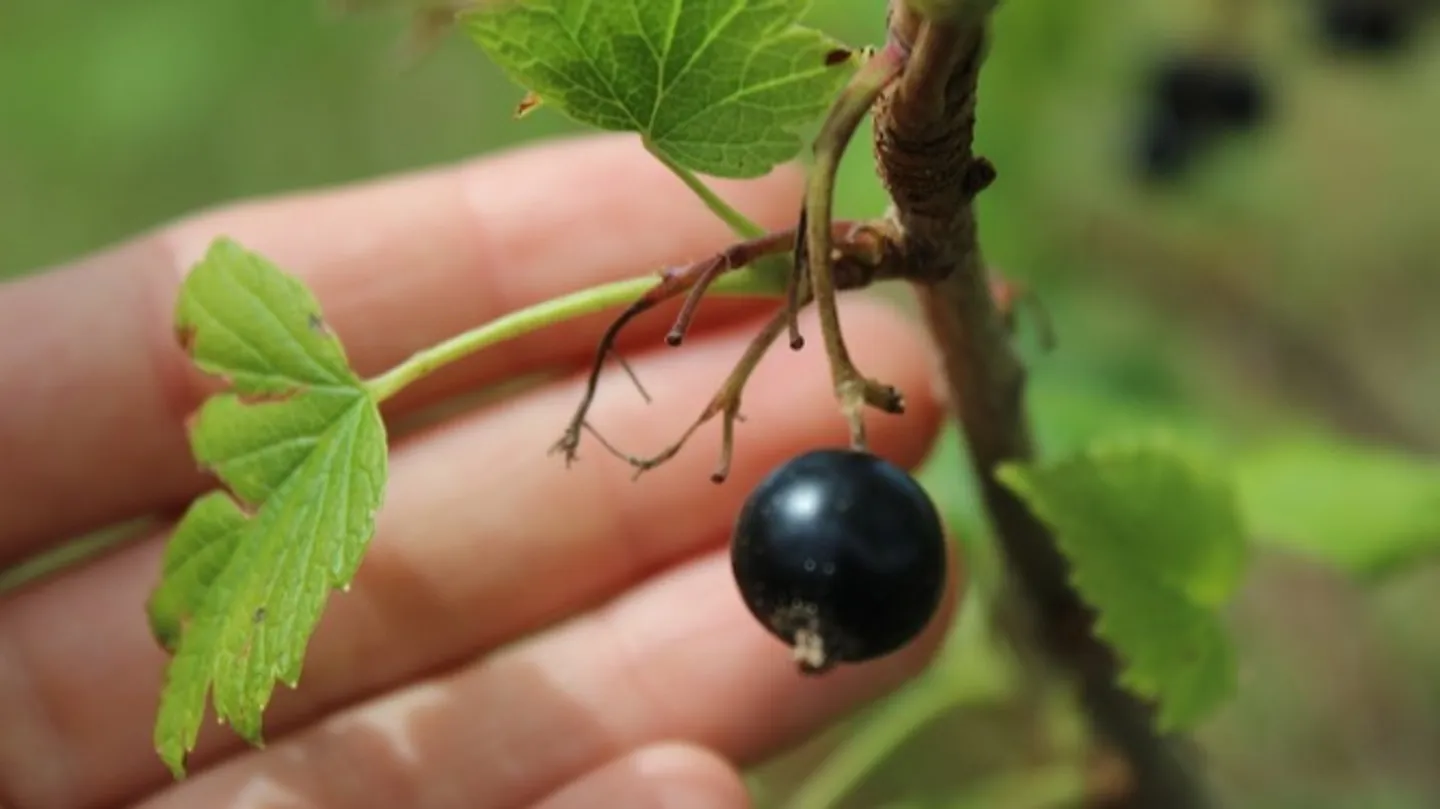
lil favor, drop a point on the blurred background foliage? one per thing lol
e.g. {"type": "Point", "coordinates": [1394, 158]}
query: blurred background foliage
{"type": "Point", "coordinates": [1274, 304]}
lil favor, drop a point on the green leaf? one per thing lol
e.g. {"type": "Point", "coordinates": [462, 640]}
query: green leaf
{"type": "Point", "coordinates": [299, 441]}
{"type": "Point", "coordinates": [1157, 547]}
{"type": "Point", "coordinates": [717, 86]}
{"type": "Point", "coordinates": [201, 546]}
{"type": "Point", "coordinates": [1366, 510]}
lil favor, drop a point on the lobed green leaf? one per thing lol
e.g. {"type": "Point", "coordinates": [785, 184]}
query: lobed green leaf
{"type": "Point", "coordinates": [200, 548]}
{"type": "Point", "coordinates": [300, 441]}
{"type": "Point", "coordinates": [1366, 510]}
{"type": "Point", "coordinates": [1156, 545]}
{"type": "Point", "coordinates": [259, 328]}
{"type": "Point", "coordinates": [716, 86]}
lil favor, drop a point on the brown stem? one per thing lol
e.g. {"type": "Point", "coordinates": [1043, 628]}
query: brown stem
{"type": "Point", "coordinates": [725, 402]}
{"type": "Point", "coordinates": [692, 280]}
{"type": "Point", "coordinates": [799, 280]}
{"type": "Point", "coordinates": [924, 131]}
{"type": "Point", "coordinates": [814, 255]}
{"type": "Point", "coordinates": [865, 254]}
{"type": "Point", "coordinates": [570, 441]}
{"type": "Point", "coordinates": [865, 250]}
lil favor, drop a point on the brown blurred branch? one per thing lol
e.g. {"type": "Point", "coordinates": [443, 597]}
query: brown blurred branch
{"type": "Point", "coordinates": [924, 131]}
{"type": "Point", "coordinates": [1216, 288]}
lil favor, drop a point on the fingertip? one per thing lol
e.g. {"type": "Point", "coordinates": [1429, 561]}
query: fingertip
{"type": "Point", "coordinates": [691, 777]}
{"type": "Point", "coordinates": [667, 775]}
{"type": "Point", "coordinates": [689, 632]}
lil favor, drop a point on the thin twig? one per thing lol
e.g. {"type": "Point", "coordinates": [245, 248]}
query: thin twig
{"type": "Point", "coordinates": [1214, 286]}
{"type": "Point", "coordinates": [725, 402]}
{"type": "Point", "coordinates": [862, 245]}
{"type": "Point", "coordinates": [865, 254]}
{"type": "Point", "coordinates": [570, 441]}
{"type": "Point", "coordinates": [694, 279]}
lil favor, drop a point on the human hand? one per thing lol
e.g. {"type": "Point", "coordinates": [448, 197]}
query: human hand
{"type": "Point", "coordinates": [519, 634]}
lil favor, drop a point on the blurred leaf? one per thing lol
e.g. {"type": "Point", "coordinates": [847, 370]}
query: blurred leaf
{"type": "Point", "coordinates": [1363, 509]}
{"type": "Point", "coordinates": [299, 439]}
{"type": "Point", "coordinates": [1156, 545]}
{"type": "Point", "coordinates": [1056, 785]}
{"type": "Point", "coordinates": [717, 87]}
{"type": "Point", "coordinates": [1095, 393]}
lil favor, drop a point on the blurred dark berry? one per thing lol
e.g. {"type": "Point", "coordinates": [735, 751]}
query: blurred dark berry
{"type": "Point", "coordinates": [1165, 147]}
{"type": "Point", "coordinates": [1193, 99]}
{"type": "Point", "coordinates": [1205, 91]}
{"type": "Point", "coordinates": [1366, 27]}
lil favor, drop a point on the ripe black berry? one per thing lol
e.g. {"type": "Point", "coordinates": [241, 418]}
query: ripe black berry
{"type": "Point", "coordinates": [1209, 91]}
{"type": "Point", "coordinates": [1366, 26]}
{"type": "Point", "coordinates": [1193, 99]}
{"type": "Point", "coordinates": [1165, 147]}
{"type": "Point", "coordinates": [840, 554]}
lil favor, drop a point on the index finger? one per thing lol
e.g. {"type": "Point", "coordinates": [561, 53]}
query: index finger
{"type": "Point", "coordinates": [97, 389]}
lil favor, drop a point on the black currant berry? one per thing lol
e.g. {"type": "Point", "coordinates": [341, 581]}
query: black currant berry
{"type": "Point", "coordinates": [840, 554]}
{"type": "Point", "coordinates": [1209, 91]}
{"type": "Point", "coordinates": [1365, 26]}
{"type": "Point", "coordinates": [1194, 99]}
{"type": "Point", "coordinates": [1165, 147]}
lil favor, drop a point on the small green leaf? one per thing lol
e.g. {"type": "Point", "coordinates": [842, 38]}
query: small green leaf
{"type": "Point", "coordinates": [1157, 547]}
{"type": "Point", "coordinates": [201, 546]}
{"type": "Point", "coordinates": [301, 443]}
{"type": "Point", "coordinates": [1366, 510]}
{"type": "Point", "coordinates": [257, 327]}
{"type": "Point", "coordinates": [717, 86]}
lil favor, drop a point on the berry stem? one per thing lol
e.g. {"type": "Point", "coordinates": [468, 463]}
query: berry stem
{"type": "Point", "coordinates": [815, 258]}
{"type": "Point", "coordinates": [741, 225]}
{"type": "Point", "coordinates": [862, 255]}
{"type": "Point", "coordinates": [534, 318]}
{"type": "Point", "coordinates": [725, 403]}
{"type": "Point", "coordinates": [738, 222]}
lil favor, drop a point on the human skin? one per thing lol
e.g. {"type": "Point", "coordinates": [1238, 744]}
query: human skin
{"type": "Point", "coordinates": [520, 634]}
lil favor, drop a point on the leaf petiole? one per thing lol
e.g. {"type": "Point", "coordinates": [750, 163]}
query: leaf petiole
{"type": "Point", "coordinates": [738, 222]}
{"type": "Point", "coordinates": [776, 266]}
{"type": "Point", "coordinates": [745, 282]}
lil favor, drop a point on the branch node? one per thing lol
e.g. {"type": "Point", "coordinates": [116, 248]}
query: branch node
{"type": "Point", "coordinates": [979, 175]}
{"type": "Point", "coordinates": [693, 280]}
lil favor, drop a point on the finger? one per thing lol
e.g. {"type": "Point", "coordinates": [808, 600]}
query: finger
{"type": "Point", "coordinates": [678, 658]}
{"type": "Point", "coordinates": [661, 776]}
{"type": "Point", "coordinates": [483, 538]}
{"type": "Point", "coordinates": [92, 432]}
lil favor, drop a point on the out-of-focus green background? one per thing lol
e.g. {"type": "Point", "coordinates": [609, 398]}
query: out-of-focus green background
{"type": "Point", "coordinates": [1286, 288]}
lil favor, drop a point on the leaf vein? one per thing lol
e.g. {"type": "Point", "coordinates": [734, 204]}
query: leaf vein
{"type": "Point", "coordinates": [736, 97]}
{"type": "Point", "coordinates": [323, 373]}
